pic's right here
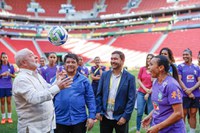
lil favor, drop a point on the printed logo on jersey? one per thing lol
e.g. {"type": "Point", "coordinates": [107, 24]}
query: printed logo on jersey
{"type": "Point", "coordinates": [155, 106]}
{"type": "Point", "coordinates": [190, 78]}
{"type": "Point", "coordinates": [176, 94]}
{"type": "Point", "coordinates": [173, 95]}
{"type": "Point", "coordinates": [159, 96]}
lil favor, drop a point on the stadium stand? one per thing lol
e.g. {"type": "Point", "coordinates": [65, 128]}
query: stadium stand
{"type": "Point", "coordinates": [18, 44]}
{"type": "Point", "coordinates": [18, 30]}
{"type": "Point", "coordinates": [79, 6]}
{"type": "Point", "coordinates": [148, 5]}
{"type": "Point", "coordinates": [79, 31]}
{"type": "Point", "coordinates": [180, 40]}
{"type": "Point", "coordinates": [189, 2]}
{"type": "Point", "coordinates": [102, 41]}
{"type": "Point", "coordinates": [8, 52]}
{"type": "Point", "coordinates": [161, 24]}
{"type": "Point", "coordinates": [187, 22]}
{"type": "Point", "coordinates": [138, 42]}
{"type": "Point", "coordinates": [137, 27]}
{"type": "Point", "coordinates": [106, 30]}
{"type": "Point", "coordinates": [51, 7]}
{"type": "Point", "coordinates": [19, 7]}
{"type": "Point", "coordinates": [47, 47]}
{"type": "Point", "coordinates": [114, 7]}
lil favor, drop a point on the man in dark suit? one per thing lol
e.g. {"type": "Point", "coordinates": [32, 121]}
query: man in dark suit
{"type": "Point", "coordinates": [115, 96]}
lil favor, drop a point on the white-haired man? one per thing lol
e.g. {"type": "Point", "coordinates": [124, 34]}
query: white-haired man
{"type": "Point", "coordinates": [33, 95]}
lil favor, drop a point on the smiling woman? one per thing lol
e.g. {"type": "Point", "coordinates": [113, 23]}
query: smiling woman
{"type": "Point", "coordinates": [189, 75]}
{"type": "Point", "coordinates": [166, 98]}
{"type": "Point", "coordinates": [48, 72]}
{"type": "Point", "coordinates": [6, 74]}
{"type": "Point", "coordinates": [144, 91]}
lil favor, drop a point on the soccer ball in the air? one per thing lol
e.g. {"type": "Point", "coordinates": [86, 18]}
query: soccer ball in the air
{"type": "Point", "coordinates": [57, 35]}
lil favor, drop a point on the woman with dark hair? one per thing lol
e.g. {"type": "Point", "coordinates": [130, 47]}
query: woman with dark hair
{"type": "Point", "coordinates": [167, 115]}
{"type": "Point", "coordinates": [144, 91]}
{"type": "Point", "coordinates": [189, 78]}
{"type": "Point", "coordinates": [169, 54]}
{"type": "Point", "coordinates": [48, 72]}
{"type": "Point", "coordinates": [6, 74]}
{"type": "Point", "coordinates": [42, 62]}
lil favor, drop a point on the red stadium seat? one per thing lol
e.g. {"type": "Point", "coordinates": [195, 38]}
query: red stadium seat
{"type": "Point", "coordinates": [180, 40]}
{"type": "Point", "coordinates": [8, 52]}
{"type": "Point", "coordinates": [20, 44]}
{"type": "Point", "coordinates": [138, 42]}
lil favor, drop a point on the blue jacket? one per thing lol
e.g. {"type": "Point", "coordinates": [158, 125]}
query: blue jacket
{"type": "Point", "coordinates": [70, 104]}
{"type": "Point", "coordinates": [125, 97]}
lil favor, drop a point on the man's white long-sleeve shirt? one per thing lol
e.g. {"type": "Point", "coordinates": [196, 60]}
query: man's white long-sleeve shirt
{"type": "Point", "coordinates": [33, 98]}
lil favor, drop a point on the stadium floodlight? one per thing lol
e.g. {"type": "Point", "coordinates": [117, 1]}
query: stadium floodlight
{"type": "Point", "coordinates": [35, 8]}
{"type": "Point", "coordinates": [4, 6]}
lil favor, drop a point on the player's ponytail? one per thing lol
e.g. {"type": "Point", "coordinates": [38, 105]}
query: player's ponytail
{"type": "Point", "coordinates": [174, 72]}
{"type": "Point", "coordinates": [1, 62]}
{"type": "Point", "coordinates": [162, 60]}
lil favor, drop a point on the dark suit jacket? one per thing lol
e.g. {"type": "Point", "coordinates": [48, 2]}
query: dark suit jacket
{"type": "Point", "coordinates": [125, 97]}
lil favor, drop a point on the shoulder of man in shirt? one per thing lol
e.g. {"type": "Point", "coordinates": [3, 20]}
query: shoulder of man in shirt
{"type": "Point", "coordinates": [20, 76]}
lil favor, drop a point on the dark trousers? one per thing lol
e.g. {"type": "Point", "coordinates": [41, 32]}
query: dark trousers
{"type": "Point", "coordinates": [95, 87]}
{"type": "Point", "coordinates": [78, 128]}
{"type": "Point", "coordinates": [107, 126]}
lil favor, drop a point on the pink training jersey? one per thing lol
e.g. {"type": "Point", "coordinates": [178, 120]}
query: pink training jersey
{"type": "Point", "coordinates": [145, 79]}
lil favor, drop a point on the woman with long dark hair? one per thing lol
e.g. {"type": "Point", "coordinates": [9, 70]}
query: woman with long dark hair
{"type": "Point", "coordinates": [6, 75]}
{"type": "Point", "coordinates": [167, 115]}
{"type": "Point", "coordinates": [167, 52]}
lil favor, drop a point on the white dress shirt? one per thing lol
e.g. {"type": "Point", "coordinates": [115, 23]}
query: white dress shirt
{"type": "Point", "coordinates": [114, 84]}
{"type": "Point", "coordinates": [33, 98]}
